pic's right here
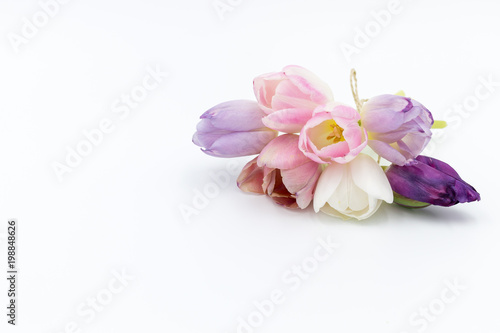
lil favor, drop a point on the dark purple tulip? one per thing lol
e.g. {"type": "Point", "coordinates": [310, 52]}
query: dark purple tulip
{"type": "Point", "coordinates": [233, 129]}
{"type": "Point", "coordinates": [432, 181]}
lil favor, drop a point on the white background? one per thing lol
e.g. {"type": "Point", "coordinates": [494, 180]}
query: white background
{"type": "Point", "coordinates": [120, 208]}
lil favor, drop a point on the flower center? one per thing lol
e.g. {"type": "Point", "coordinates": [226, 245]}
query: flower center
{"type": "Point", "coordinates": [336, 134]}
{"type": "Point", "coordinates": [326, 133]}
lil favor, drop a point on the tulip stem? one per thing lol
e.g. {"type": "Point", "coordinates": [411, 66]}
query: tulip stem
{"type": "Point", "coordinates": [354, 89]}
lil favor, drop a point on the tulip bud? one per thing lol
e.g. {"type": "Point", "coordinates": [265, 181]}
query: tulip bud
{"type": "Point", "coordinates": [398, 127]}
{"type": "Point", "coordinates": [430, 181]}
{"type": "Point", "coordinates": [233, 129]}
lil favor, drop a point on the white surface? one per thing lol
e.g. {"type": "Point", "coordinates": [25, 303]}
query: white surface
{"type": "Point", "coordinates": [120, 208]}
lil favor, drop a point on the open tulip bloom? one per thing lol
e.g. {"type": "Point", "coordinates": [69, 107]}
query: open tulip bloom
{"type": "Point", "coordinates": [324, 156]}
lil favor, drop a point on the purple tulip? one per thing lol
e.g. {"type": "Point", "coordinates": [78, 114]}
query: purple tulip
{"type": "Point", "coordinates": [431, 181]}
{"type": "Point", "coordinates": [233, 129]}
{"type": "Point", "coordinates": [398, 127]}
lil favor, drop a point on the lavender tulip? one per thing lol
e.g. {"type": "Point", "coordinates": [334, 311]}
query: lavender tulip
{"type": "Point", "coordinates": [398, 127]}
{"type": "Point", "coordinates": [431, 181]}
{"type": "Point", "coordinates": [233, 129]}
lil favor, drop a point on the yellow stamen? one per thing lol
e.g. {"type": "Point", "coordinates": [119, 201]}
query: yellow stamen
{"type": "Point", "coordinates": [336, 134]}
{"type": "Point", "coordinates": [326, 133]}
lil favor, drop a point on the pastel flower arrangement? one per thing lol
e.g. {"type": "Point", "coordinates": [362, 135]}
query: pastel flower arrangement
{"type": "Point", "coordinates": [313, 149]}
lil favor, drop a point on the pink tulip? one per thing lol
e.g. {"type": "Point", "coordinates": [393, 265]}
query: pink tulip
{"type": "Point", "coordinates": [333, 134]}
{"type": "Point", "coordinates": [290, 97]}
{"type": "Point", "coordinates": [282, 172]}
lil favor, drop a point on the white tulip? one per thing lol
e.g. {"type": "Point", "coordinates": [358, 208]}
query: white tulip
{"type": "Point", "coordinates": [355, 189]}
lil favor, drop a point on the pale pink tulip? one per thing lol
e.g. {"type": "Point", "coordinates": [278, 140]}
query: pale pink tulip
{"type": "Point", "coordinates": [333, 134]}
{"type": "Point", "coordinates": [289, 97]}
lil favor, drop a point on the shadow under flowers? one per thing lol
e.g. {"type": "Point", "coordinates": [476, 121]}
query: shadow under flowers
{"type": "Point", "coordinates": [397, 214]}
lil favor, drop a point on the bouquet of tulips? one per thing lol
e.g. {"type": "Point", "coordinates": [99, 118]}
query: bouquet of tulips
{"type": "Point", "coordinates": [313, 149]}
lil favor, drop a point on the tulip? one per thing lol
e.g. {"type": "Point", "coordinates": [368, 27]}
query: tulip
{"type": "Point", "coordinates": [233, 129]}
{"type": "Point", "coordinates": [431, 181]}
{"type": "Point", "coordinates": [352, 190]}
{"type": "Point", "coordinates": [398, 127]}
{"type": "Point", "coordinates": [282, 172]}
{"type": "Point", "coordinates": [290, 97]}
{"type": "Point", "coordinates": [333, 134]}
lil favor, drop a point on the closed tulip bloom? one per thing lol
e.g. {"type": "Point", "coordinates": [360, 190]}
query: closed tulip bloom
{"type": "Point", "coordinates": [289, 97]}
{"type": "Point", "coordinates": [432, 181]}
{"type": "Point", "coordinates": [233, 129]}
{"type": "Point", "coordinates": [282, 172]}
{"type": "Point", "coordinates": [352, 190]}
{"type": "Point", "coordinates": [398, 127]}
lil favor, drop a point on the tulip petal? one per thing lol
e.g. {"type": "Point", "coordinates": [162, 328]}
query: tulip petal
{"type": "Point", "coordinates": [289, 96]}
{"type": "Point", "coordinates": [358, 199]}
{"type": "Point", "coordinates": [384, 113]}
{"type": "Point", "coordinates": [339, 200]}
{"type": "Point", "coordinates": [240, 144]}
{"type": "Point", "coordinates": [264, 87]}
{"type": "Point", "coordinates": [327, 184]}
{"type": "Point", "coordinates": [301, 182]}
{"type": "Point", "coordinates": [297, 178]}
{"type": "Point", "coordinates": [370, 178]}
{"type": "Point", "coordinates": [327, 209]}
{"type": "Point", "coordinates": [238, 115]}
{"type": "Point", "coordinates": [387, 151]}
{"type": "Point", "coordinates": [288, 120]}
{"type": "Point", "coordinates": [251, 178]}
{"type": "Point", "coordinates": [206, 134]}
{"type": "Point", "coordinates": [205, 126]}
{"type": "Point", "coordinates": [372, 208]}
{"type": "Point", "coordinates": [287, 202]}
{"type": "Point", "coordinates": [392, 136]}
{"type": "Point", "coordinates": [309, 84]}
{"type": "Point", "coordinates": [334, 152]}
{"type": "Point", "coordinates": [438, 165]}
{"type": "Point", "coordinates": [282, 153]}
{"type": "Point", "coordinates": [206, 139]}
{"type": "Point", "coordinates": [343, 114]}
{"type": "Point", "coordinates": [412, 144]}
{"type": "Point", "coordinates": [281, 195]}
{"type": "Point", "coordinates": [269, 181]}
{"type": "Point", "coordinates": [306, 195]}
{"type": "Point", "coordinates": [354, 136]}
